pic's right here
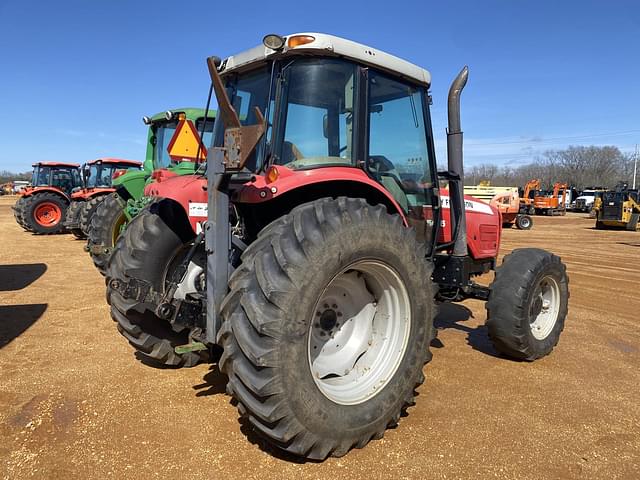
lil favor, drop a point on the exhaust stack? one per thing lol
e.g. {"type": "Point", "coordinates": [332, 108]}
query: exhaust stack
{"type": "Point", "coordinates": [458, 219]}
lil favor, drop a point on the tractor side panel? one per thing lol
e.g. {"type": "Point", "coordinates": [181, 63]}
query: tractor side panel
{"type": "Point", "coordinates": [484, 226]}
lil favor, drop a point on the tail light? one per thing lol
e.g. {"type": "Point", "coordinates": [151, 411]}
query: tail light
{"type": "Point", "coordinates": [118, 173]}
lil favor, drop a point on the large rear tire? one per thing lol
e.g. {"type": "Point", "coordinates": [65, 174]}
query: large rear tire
{"type": "Point", "coordinates": [330, 273]}
{"type": "Point", "coordinates": [106, 225]}
{"type": "Point", "coordinates": [71, 221]}
{"type": "Point", "coordinates": [18, 212]}
{"type": "Point", "coordinates": [44, 213]}
{"type": "Point", "coordinates": [87, 213]}
{"type": "Point", "coordinates": [528, 304]}
{"type": "Point", "coordinates": [144, 252]}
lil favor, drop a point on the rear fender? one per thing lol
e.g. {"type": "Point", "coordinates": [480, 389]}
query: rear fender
{"type": "Point", "coordinates": [131, 184]}
{"type": "Point", "coordinates": [262, 201]}
{"type": "Point", "coordinates": [88, 194]}
{"type": "Point", "coordinates": [55, 190]}
{"type": "Point", "coordinates": [187, 193]}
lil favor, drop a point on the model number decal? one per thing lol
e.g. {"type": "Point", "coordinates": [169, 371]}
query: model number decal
{"type": "Point", "coordinates": [469, 205]}
{"type": "Point", "coordinates": [197, 209]}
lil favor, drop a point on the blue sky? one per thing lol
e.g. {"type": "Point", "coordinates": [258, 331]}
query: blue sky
{"type": "Point", "coordinates": [76, 76]}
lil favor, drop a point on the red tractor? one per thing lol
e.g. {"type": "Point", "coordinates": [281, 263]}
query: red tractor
{"type": "Point", "coordinates": [97, 176]}
{"type": "Point", "coordinates": [42, 206]}
{"type": "Point", "coordinates": [318, 246]}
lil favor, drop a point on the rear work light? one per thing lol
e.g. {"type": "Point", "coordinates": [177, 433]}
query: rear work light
{"type": "Point", "coordinates": [298, 40]}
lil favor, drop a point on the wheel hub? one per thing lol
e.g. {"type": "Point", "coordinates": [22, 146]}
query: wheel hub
{"type": "Point", "coordinates": [359, 332]}
{"type": "Point", "coordinates": [545, 308]}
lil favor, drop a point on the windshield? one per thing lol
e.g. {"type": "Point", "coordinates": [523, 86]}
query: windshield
{"type": "Point", "coordinates": [207, 136]}
{"type": "Point", "coordinates": [247, 91]}
{"type": "Point", "coordinates": [318, 114]}
{"type": "Point", "coordinates": [40, 176]}
{"type": "Point", "coordinates": [100, 175]}
{"type": "Point", "coordinates": [162, 134]}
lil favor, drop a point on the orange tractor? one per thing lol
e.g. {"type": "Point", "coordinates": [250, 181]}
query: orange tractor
{"type": "Point", "coordinates": [553, 203]}
{"type": "Point", "coordinates": [43, 204]}
{"type": "Point", "coordinates": [97, 176]}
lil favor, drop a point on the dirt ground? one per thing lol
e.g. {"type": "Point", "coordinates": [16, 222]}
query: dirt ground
{"type": "Point", "coordinates": [75, 402]}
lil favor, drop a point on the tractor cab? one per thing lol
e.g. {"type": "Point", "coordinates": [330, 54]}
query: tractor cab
{"type": "Point", "coordinates": [162, 128]}
{"type": "Point", "coordinates": [62, 176]}
{"type": "Point", "coordinates": [100, 173]}
{"type": "Point", "coordinates": [344, 118]}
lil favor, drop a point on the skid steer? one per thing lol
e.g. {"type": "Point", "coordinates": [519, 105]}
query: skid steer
{"type": "Point", "coordinates": [317, 247]}
{"type": "Point", "coordinates": [619, 208]}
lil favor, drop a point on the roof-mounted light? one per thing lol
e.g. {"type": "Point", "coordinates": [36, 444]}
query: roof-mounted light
{"type": "Point", "coordinates": [168, 114]}
{"type": "Point", "coordinates": [146, 120]}
{"type": "Point", "coordinates": [298, 40]}
{"type": "Point", "coordinates": [273, 41]}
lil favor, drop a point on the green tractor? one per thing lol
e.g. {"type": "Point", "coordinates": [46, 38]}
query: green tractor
{"type": "Point", "coordinates": [120, 207]}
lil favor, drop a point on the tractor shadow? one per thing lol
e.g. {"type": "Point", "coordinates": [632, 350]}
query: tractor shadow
{"type": "Point", "coordinates": [16, 319]}
{"type": "Point", "coordinates": [629, 244]}
{"type": "Point", "coordinates": [214, 382]}
{"type": "Point", "coordinates": [17, 277]}
{"type": "Point", "coordinates": [451, 315]}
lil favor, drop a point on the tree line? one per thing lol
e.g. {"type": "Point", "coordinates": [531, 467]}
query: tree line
{"type": "Point", "coordinates": [7, 176]}
{"type": "Point", "coordinates": [580, 167]}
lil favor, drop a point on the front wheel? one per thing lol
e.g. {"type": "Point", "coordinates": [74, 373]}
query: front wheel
{"type": "Point", "coordinates": [327, 325]}
{"type": "Point", "coordinates": [528, 304]}
{"type": "Point", "coordinates": [524, 222]}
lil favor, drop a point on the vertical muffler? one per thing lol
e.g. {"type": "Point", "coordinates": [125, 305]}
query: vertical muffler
{"type": "Point", "coordinates": [458, 220]}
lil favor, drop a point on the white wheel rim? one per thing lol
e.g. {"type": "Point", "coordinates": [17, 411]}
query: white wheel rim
{"type": "Point", "coordinates": [545, 308]}
{"type": "Point", "coordinates": [359, 332]}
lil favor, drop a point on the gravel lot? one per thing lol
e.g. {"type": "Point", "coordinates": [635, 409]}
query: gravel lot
{"type": "Point", "coordinates": [75, 402]}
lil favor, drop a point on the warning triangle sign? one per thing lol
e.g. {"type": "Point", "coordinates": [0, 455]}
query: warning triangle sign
{"type": "Point", "coordinates": [184, 143]}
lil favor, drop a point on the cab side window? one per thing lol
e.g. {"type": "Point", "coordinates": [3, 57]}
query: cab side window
{"type": "Point", "coordinates": [398, 155]}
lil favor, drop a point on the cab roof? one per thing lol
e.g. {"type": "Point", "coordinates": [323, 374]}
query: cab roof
{"type": "Point", "coordinates": [191, 113]}
{"type": "Point", "coordinates": [55, 164]}
{"type": "Point", "coordinates": [119, 161]}
{"type": "Point", "coordinates": [330, 45]}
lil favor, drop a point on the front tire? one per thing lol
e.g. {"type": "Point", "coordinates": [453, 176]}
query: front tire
{"type": "Point", "coordinates": [71, 219]}
{"type": "Point", "coordinates": [528, 304]}
{"type": "Point", "coordinates": [524, 222]}
{"type": "Point", "coordinates": [327, 258]}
